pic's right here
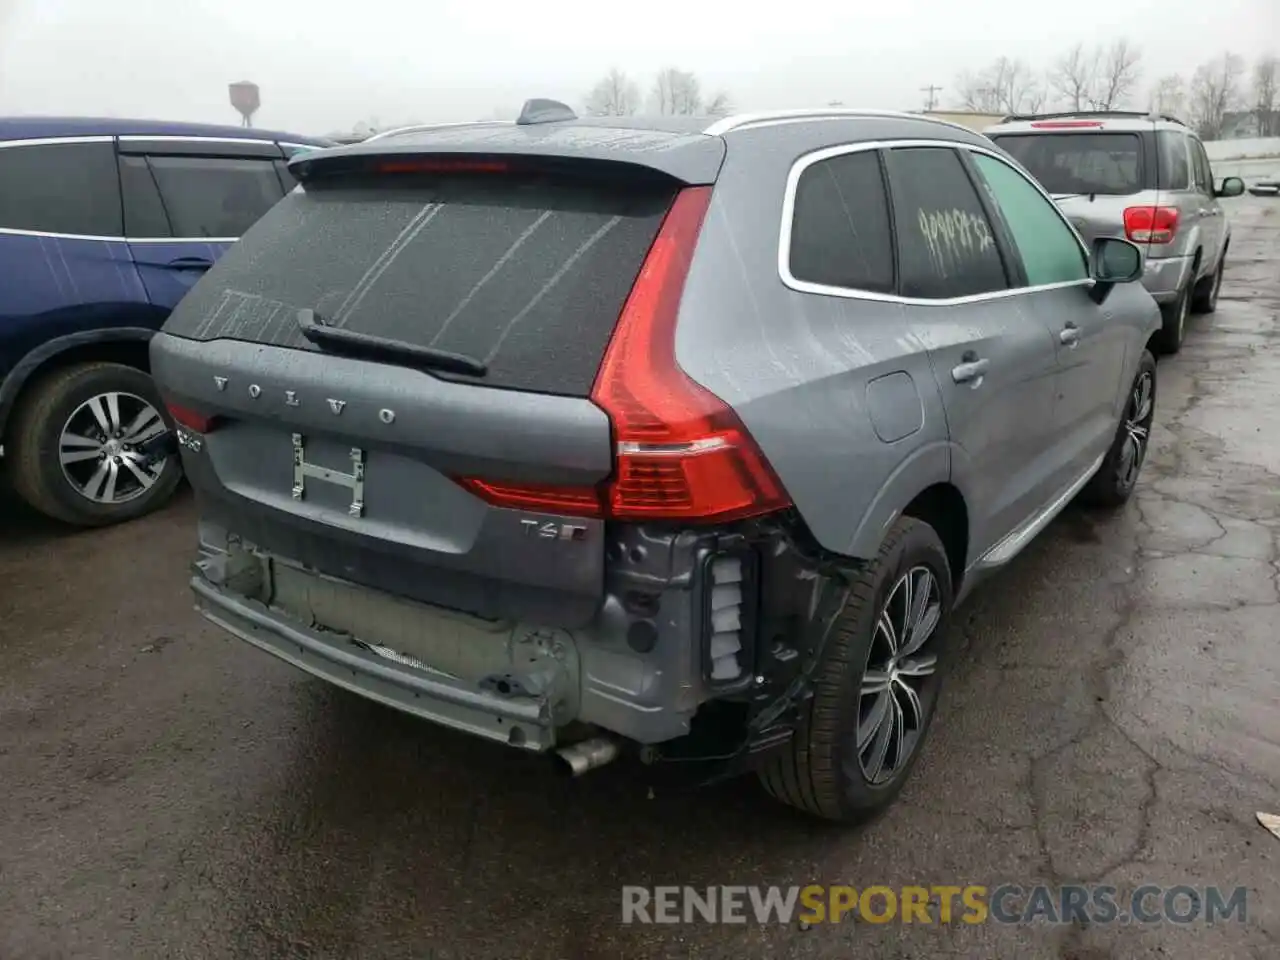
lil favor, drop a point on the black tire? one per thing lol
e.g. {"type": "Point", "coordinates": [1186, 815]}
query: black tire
{"type": "Point", "coordinates": [822, 771]}
{"type": "Point", "coordinates": [1206, 295]}
{"type": "Point", "coordinates": [1175, 322]}
{"type": "Point", "coordinates": [43, 412]}
{"type": "Point", "coordinates": [1113, 484]}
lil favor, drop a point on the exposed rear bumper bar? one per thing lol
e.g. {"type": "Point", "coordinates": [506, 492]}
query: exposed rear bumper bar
{"type": "Point", "coordinates": [518, 722]}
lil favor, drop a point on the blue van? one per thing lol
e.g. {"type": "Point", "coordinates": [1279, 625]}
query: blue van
{"type": "Point", "coordinates": [104, 226]}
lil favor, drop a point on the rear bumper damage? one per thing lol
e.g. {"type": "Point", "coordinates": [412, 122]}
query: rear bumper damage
{"type": "Point", "coordinates": [347, 665]}
{"type": "Point", "coordinates": [1164, 277]}
{"type": "Point", "coordinates": [702, 650]}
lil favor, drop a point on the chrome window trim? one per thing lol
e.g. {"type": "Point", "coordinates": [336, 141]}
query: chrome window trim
{"type": "Point", "coordinates": [826, 153]}
{"type": "Point", "coordinates": [50, 141]}
{"type": "Point", "coordinates": [193, 138]}
{"type": "Point", "coordinates": [14, 232]}
{"type": "Point", "coordinates": [771, 117]}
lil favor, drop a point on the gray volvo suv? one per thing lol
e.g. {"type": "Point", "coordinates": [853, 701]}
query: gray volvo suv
{"type": "Point", "coordinates": [671, 437]}
{"type": "Point", "coordinates": [1145, 177]}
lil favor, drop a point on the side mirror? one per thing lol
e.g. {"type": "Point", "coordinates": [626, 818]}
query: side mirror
{"type": "Point", "coordinates": [1231, 187]}
{"type": "Point", "coordinates": [1115, 260]}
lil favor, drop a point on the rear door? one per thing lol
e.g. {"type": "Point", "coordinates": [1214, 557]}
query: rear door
{"type": "Point", "coordinates": [1207, 209]}
{"type": "Point", "coordinates": [1091, 344]}
{"type": "Point", "coordinates": [359, 467]}
{"type": "Point", "coordinates": [993, 355]}
{"type": "Point", "coordinates": [64, 265]}
{"type": "Point", "coordinates": [187, 201]}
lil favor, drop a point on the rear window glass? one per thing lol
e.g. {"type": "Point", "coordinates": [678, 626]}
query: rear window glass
{"type": "Point", "coordinates": [1079, 163]}
{"type": "Point", "coordinates": [67, 188]}
{"type": "Point", "coordinates": [526, 274]}
{"type": "Point", "coordinates": [840, 234]}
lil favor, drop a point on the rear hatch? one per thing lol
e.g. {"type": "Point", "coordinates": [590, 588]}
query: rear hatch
{"type": "Point", "coordinates": [394, 343]}
{"type": "Point", "coordinates": [1093, 173]}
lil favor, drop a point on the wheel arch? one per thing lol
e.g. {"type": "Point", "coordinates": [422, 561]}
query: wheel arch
{"type": "Point", "coordinates": [922, 488]}
{"type": "Point", "coordinates": [126, 345]}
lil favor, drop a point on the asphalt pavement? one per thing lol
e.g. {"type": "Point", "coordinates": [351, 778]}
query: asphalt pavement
{"type": "Point", "coordinates": [1113, 718]}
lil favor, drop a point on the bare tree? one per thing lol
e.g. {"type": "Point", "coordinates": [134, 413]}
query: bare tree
{"type": "Point", "coordinates": [1074, 77]}
{"type": "Point", "coordinates": [1215, 89]}
{"type": "Point", "coordinates": [1119, 70]}
{"type": "Point", "coordinates": [1005, 85]}
{"type": "Point", "coordinates": [1266, 73]}
{"type": "Point", "coordinates": [676, 92]}
{"type": "Point", "coordinates": [720, 105]}
{"type": "Point", "coordinates": [614, 95]}
{"type": "Point", "coordinates": [1170, 95]}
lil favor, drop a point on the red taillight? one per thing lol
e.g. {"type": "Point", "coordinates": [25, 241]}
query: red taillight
{"type": "Point", "coordinates": [190, 419]}
{"type": "Point", "coordinates": [547, 498]}
{"type": "Point", "coordinates": [681, 453]}
{"type": "Point", "coordinates": [1151, 224]}
{"type": "Point", "coordinates": [1065, 124]}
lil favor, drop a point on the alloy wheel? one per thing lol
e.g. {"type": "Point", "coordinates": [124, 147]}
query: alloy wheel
{"type": "Point", "coordinates": [99, 448]}
{"type": "Point", "coordinates": [1139, 412]}
{"type": "Point", "coordinates": [891, 706]}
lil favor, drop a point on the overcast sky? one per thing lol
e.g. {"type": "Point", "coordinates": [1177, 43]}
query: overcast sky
{"type": "Point", "coordinates": [325, 65]}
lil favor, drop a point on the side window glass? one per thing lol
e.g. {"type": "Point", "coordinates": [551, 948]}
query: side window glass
{"type": "Point", "coordinates": [1206, 176]}
{"type": "Point", "coordinates": [215, 197]}
{"type": "Point", "coordinates": [840, 234]}
{"type": "Point", "coordinates": [1048, 248]}
{"type": "Point", "coordinates": [1174, 170]}
{"type": "Point", "coordinates": [1201, 167]}
{"type": "Point", "coordinates": [67, 188]}
{"type": "Point", "coordinates": [946, 247]}
{"type": "Point", "coordinates": [144, 216]}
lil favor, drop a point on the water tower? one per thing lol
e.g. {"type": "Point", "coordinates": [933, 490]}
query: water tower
{"type": "Point", "coordinates": [246, 99]}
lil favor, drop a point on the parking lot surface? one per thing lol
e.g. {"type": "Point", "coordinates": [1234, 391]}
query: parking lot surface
{"type": "Point", "coordinates": [1114, 717]}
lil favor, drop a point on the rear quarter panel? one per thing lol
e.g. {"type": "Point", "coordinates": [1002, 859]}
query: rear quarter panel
{"type": "Point", "coordinates": [61, 287]}
{"type": "Point", "coordinates": [811, 376]}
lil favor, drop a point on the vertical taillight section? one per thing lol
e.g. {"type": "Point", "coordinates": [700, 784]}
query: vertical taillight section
{"type": "Point", "coordinates": [681, 452]}
{"type": "Point", "coordinates": [1151, 224]}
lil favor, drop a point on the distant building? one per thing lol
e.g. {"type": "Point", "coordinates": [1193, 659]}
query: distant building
{"type": "Point", "coordinates": [1240, 124]}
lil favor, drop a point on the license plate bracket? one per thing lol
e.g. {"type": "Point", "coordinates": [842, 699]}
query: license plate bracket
{"type": "Point", "coordinates": [354, 481]}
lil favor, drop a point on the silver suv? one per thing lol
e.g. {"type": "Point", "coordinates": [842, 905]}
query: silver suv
{"type": "Point", "coordinates": [1141, 176]}
{"type": "Point", "coordinates": [673, 437]}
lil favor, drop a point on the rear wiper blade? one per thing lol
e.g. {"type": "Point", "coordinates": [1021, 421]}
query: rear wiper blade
{"type": "Point", "coordinates": [354, 344]}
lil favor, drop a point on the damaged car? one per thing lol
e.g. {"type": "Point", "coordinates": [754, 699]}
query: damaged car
{"type": "Point", "coordinates": [670, 437]}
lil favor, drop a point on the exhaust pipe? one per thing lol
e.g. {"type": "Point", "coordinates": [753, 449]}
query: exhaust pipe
{"type": "Point", "coordinates": [578, 758]}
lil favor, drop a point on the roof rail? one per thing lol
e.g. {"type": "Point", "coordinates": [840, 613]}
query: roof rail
{"type": "Point", "coordinates": [734, 122]}
{"type": "Point", "coordinates": [421, 127]}
{"type": "Point", "coordinates": [1136, 114]}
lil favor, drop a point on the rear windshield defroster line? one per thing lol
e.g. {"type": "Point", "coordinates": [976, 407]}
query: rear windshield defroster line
{"type": "Point", "coordinates": [525, 275]}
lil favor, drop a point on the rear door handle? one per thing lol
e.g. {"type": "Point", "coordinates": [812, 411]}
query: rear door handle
{"type": "Point", "coordinates": [971, 371]}
{"type": "Point", "coordinates": [1070, 334]}
{"type": "Point", "coordinates": [190, 263]}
